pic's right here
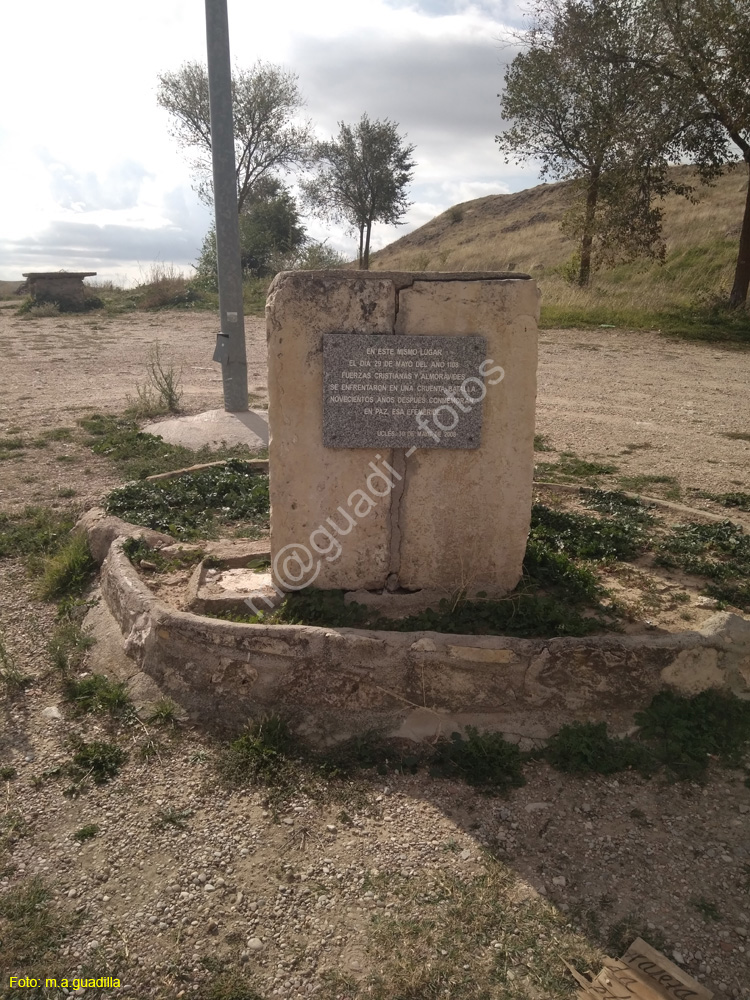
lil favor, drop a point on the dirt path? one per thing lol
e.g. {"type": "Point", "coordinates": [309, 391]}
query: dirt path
{"type": "Point", "coordinates": [184, 879]}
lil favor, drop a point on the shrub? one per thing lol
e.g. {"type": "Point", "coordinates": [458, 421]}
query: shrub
{"type": "Point", "coordinates": [69, 571]}
{"type": "Point", "coordinates": [484, 760]}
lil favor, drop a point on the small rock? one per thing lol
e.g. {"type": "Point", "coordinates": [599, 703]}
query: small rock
{"type": "Point", "coordinates": [424, 646]}
{"type": "Point", "coordinates": [289, 820]}
{"type": "Point", "coordinates": [53, 713]}
{"type": "Point", "coordinates": [331, 827]}
{"type": "Point", "coordinates": [678, 957]}
{"type": "Point", "coordinates": [147, 564]}
{"type": "Point", "coordinates": [208, 887]}
{"type": "Point", "coordinates": [537, 806]}
{"type": "Point", "coordinates": [558, 880]}
{"type": "Point", "coordinates": [465, 855]}
{"type": "Point", "coordinates": [252, 907]}
{"type": "Point", "coordinates": [255, 944]}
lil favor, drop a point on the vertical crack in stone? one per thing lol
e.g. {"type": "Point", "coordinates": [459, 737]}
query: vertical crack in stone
{"type": "Point", "coordinates": [399, 460]}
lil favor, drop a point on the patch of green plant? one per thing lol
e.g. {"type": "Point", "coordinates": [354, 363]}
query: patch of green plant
{"type": "Point", "coordinates": [98, 693]}
{"type": "Point", "coordinates": [484, 760]}
{"type": "Point", "coordinates": [737, 499]}
{"type": "Point", "coordinates": [570, 467]}
{"type": "Point", "coordinates": [540, 443]}
{"type": "Point", "coordinates": [138, 455]}
{"type": "Point", "coordinates": [12, 678]}
{"type": "Point", "coordinates": [707, 909]}
{"type": "Point", "coordinates": [368, 751]}
{"type": "Point", "coordinates": [520, 614]}
{"type": "Point", "coordinates": [87, 832]}
{"type": "Point", "coordinates": [583, 537]}
{"type": "Point", "coordinates": [36, 531]}
{"type": "Point", "coordinates": [229, 985]}
{"type": "Point", "coordinates": [137, 549]}
{"type": "Point", "coordinates": [587, 748]}
{"type": "Point", "coordinates": [720, 552]}
{"type": "Point", "coordinates": [637, 484]}
{"type": "Point", "coordinates": [261, 755]}
{"type": "Point", "coordinates": [194, 505]}
{"type": "Point", "coordinates": [68, 572]}
{"type": "Point", "coordinates": [615, 503]}
{"type": "Point", "coordinates": [29, 929]}
{"type": "Point", "coordinates": [8, 773]}
{"type": "Point", "coordinates": [172, 817]}
{"type": "Point", "coordinates": [69, 641]}
{"type": "Point", "coordinates": [687, 732]}
{"type": "Point", "coordinates": [98, 760]}
{"type": "Point", "coordinates": [165, 713]}
{"type": "Point", "coordinates": [12, 444]}
{"type": "Point", "coordinates": [716, 323]}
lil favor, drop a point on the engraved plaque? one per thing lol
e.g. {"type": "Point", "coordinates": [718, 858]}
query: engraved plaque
{"type": "Point", "coordinates": [403, 392]}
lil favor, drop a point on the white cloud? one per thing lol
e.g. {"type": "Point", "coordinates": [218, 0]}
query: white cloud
{"type": "Point", "coordinates": [92, 178]}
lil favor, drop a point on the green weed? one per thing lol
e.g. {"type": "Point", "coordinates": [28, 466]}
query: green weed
{"type": "Point", "coordinates": [719, 552]}
{"type": "Point", "coordinates": [687, 732]}
{"type": "Point", "coordinates": [136, 549]}
{"type": "Point", "coordinates": [737, 499]}
{"type": "Point", "coordinates": [484, 760]}
{"type": "Point", "coordinates": [98, 694]}
{"type": "Point", "coordinates": [707, 909]}
{"type": "Point", "coordinates": [69, 571]}
{"type": "Point", "coordinates": [570, 467]}
{"type": "Point", "coordinates": [98, 760]}
{"type": "Point", "coordinates": [586, 748]}
{"type": "Point", "coordinates": [68, 644]}
{"type": "Point", "coordinates": [666, 485]}
{"type": "Point", "coordinates": [85, 833]}
{"type": "Point", "coordinates": [28, 928]}
{"type": "Point", "coordinates": [36, 531]}
{"type": "Point", "coordinates": [165, 713]}
{"type": "Point", "coordinates": [262, 755]}
{"type": "Point", "coordinates": [12, 678]}
{"type": "Point", "coordinates": [138, 455]}
{"type": "Point", "coordinates": [194, 505]}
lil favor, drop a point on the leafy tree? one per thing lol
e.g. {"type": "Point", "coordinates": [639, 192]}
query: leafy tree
{"type": "Point", "coordinates": [361, 178]}
{"type": "Point", "coordinates": [602, 123]}
{"type": "Point", "coordinates": [702, 49]}
{"type": "Point", "coordinates": [269, 138]}
{"type": "Point", "coordinates": [271, 233]}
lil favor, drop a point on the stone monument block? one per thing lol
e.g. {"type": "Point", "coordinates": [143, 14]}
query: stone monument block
{"type": "Point", "coordinates": [401, 413]}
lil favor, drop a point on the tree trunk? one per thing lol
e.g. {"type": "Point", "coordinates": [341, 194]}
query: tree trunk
{"type": "Point", "coordinates": [587, 237]}
{"type": "Point", "coordinates": [361, 239]}
{"type": "Point", "coordinates": [738, 295]}
{"type": "Point", "coordinates": [366, 266]}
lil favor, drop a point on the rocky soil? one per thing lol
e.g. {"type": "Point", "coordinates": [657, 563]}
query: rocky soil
{"type": "Point", "coordinates": [314, 894]}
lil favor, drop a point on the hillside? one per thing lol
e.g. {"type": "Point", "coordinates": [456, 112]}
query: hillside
{"type": "Point", "coordinates": [521, 231]}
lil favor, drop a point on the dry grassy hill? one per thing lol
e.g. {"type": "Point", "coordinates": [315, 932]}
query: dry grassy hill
{"type": "Point", "coordinates": [521, 232]}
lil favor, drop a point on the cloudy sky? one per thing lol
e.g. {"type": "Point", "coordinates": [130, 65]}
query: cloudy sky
{"type": "Point", "coordinates": [91, 179]}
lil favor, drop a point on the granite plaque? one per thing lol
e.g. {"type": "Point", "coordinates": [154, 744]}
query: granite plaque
{"type": "Point", "coordinates": [403, 392]}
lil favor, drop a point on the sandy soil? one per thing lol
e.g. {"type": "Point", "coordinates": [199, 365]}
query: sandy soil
{"type": "Point", "coordinates": [292, 902]}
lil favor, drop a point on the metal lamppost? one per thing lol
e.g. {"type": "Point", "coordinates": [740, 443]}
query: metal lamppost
{"type": "Point", "coordinates": [230, 342]}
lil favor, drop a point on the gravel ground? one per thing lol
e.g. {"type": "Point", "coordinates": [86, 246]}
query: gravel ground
{"type": "Point", "coordinates": [185, 877]}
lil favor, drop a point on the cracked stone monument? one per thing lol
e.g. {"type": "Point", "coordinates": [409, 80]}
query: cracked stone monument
{"type": "Point", "coordinates": [401, 411]}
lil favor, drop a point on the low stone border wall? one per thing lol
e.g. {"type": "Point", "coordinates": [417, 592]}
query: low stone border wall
{"type": "Point", "coordinates": [335, 682]}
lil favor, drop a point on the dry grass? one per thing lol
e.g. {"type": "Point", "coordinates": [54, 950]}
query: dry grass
{"type": "Point", "coordinates": [521, 232]}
